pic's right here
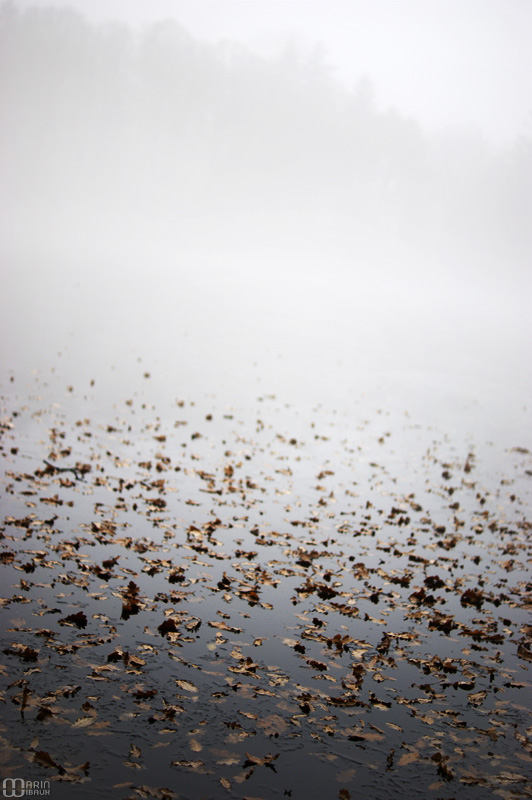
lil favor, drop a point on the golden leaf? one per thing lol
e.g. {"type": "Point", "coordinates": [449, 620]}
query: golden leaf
{"type": "Point", "coordinates": [187, 686]}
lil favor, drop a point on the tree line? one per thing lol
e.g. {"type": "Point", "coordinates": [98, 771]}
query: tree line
{"type": "Point", "coordinates": [154, 124]}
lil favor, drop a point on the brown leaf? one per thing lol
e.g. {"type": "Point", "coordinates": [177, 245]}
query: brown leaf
{"type": "Point", "coordinates": [266, 761]}
{"type": "Point", "coordinates": [477, 698]}
{"type": "Point", "coordinates": [168, 626]}
{"type": "Point", "coordinates": [224, 627]}
{"type": "Point", "coordinates": [407, 758]}
{"type": "Point", "coordinates": [79, 620]}
{"type": "Point", "coordinates": [316, 664]}
{"type": "Point", "coordinates": [189, 764]}
{"type": "Point", "coordinates": [24, 702]}
{"type": "Point", "coordinates": [25, 653]}
{"type": "Point", "coordinates": [472, 597]}
{"type": "Point", "coordinates": [44, 758]}
{"type": "Point", "coordinates": [522, 651]}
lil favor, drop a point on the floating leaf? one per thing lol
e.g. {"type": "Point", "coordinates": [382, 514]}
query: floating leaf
{"type": "Point", "coordinates": [187, 686]}
{"type": "Point", "coordinates": [83, 722]}
{"type": "Point", "coordinates": [408, 758]}
{"type": "Point", "coordinates": [79, 620]}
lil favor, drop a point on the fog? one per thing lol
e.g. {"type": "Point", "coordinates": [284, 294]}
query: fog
{"type": "Point", "coordinates": [247, 208]}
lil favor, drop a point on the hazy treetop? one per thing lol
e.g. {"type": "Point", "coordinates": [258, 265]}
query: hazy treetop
{"type": "Point", "coordinates": [460, 64]}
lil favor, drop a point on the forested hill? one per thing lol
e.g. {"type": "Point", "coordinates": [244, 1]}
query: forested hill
{"type": "Point", "coordinates": [107, 132]}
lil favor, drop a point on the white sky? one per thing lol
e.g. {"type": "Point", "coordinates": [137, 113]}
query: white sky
{"type": "Point", "coordinates": [450, 63]}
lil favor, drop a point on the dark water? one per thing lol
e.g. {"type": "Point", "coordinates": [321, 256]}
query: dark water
{"type": "Point", "coordinates": [329, 508]}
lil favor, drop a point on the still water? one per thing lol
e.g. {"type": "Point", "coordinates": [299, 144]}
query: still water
{"type": "Point", "coordinates": [266, 530]}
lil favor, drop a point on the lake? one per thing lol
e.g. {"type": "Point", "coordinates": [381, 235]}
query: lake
{"type": "Point", "coordinates": [266, 527]}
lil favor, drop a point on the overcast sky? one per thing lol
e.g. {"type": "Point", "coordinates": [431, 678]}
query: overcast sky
{"type": "Point", "coordinates": [451, 63]}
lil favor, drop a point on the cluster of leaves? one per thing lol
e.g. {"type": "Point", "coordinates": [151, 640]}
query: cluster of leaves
{"type": "Point", "coordinates": [217, 611]}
